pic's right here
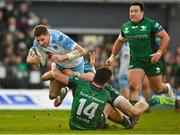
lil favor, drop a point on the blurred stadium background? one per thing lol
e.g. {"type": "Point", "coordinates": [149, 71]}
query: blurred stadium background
{"type": "Point", "coordinates": [94, 24]}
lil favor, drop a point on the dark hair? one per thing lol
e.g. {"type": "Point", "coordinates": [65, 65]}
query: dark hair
{"type": "Point", "coordinates": [40, 30]}
{"type": "Point", "coordinates": [103, 75]}
{"type": "Point", "coordinates": [140, 4]}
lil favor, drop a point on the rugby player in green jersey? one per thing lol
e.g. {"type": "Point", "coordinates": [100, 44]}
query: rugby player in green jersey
{"type": "Point", "coordinates": [90, 108]}
{"type": "Point", "coordinates": [145, 57]}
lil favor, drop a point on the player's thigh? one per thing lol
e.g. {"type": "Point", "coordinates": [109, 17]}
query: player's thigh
{"type": "Point", "coordinates": [116, 115]}
{"type": "Point", "coordinates": [54, 88]}
{"type": "Point", "coordinates": [47, 76]}
{"type": "Point", "coordinates": [124, 92]}
{"type": "Point", "coordinates": [135, 77]}
{"type": "Point", "coordinates": [124, 105]}
{"type": "Point", "coordinates": [156, 82]}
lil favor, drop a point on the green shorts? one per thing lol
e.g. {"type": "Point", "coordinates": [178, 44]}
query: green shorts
{"type": "Point", "coordinates": [145, 64]}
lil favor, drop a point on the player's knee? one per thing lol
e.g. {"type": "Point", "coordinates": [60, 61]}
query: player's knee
{"type": "Point", "coordinates": [133, 87]}
{"type": "Point", "coordinates": [158, 89]}
{"type": "Point", "coordinates": [51, 97]}
{"type": "Point", "coordinates": [134, 113]}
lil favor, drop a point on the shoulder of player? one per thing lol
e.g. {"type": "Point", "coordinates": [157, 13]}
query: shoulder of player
{"type": "Point", "coordinates": [77, 80]}
{"type": "Point", "coordinates": [54, 32]}
{"type": "Point", "coordinates": [148, 20]}
{"type": "Point", "coordinates": [57, 34]}
{"type": "Point", "coordinates": [126, 24]}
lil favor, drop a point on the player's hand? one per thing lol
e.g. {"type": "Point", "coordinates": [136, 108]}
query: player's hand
{"type": "Point", "coordinates": [57, 58]}
{"type": "Point", "coordinates": [92, 58]}
{"type": "Point", "coordinates": [155, 57]}
{"type": "Point", "coordinates": [110, 60]}
{"type": "Point", "coordinates": [68, 72]}
{"type": "Point", "coordinates": [33, 59]}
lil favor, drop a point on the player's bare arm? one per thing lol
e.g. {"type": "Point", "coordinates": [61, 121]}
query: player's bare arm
{"type": "Point", "coordinates": [116, 48]}
{"type": "Point", "coordinates": [76, 53]}
{"type": "Point", "coordinates": [58, 75]}
{"type": "Point", "coordinates": [163, 46]}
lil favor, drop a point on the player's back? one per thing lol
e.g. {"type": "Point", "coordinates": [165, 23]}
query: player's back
{"type": "Point", "coordinates": [88, 105]}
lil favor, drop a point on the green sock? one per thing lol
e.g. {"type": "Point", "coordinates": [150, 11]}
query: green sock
{"type": "Point", "coordinates": [161, 100]}
{"type": "Point", "coordinates": [133, 102]}
{"type": "Point", "coordinates": [125, 122]}
{"type": "Point", "coordinates": [153, 101]}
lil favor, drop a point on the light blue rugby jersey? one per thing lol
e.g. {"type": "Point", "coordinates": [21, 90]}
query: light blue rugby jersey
{"type": "Point", "coordinates": [124, 59]}
{"type": "Point", "coordinates": [60, 44]}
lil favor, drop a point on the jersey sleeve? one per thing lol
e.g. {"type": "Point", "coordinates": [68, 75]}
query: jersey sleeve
{"type": "Point", "coordinates": [121, 34]}
{"type": "Point", "coordinates": [65, 41]}
{"type": "Point", "coordinates": [156, 27]}
{"type": "Point", "coordinates": [73, 82]}
{"type": "Point", "coordinates": [113, 93]}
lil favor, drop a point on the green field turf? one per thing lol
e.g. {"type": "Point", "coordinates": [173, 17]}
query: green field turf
{"type": "Point", "coordinates": [162, 121]}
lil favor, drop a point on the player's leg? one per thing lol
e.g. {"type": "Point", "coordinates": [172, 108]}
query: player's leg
{"type": "Point", "coordinates": [147, 88]}
{"type": "Point", "coordinates": [47, 76]}
{"type": "Point", "coordinates": [128, 109]}
{"type": "Point", "coordinates": [159, 87]}
{"type": "Point", "coordinates": [54, 89]}
{"type": "Point", "coordinates": [116, 116]}
{"type": "Point", "coordinates": [154, 74]}
{"type": "Point", "coordinates": [135, 79]}
{"type": "Point", "coordinates": [160, 100]}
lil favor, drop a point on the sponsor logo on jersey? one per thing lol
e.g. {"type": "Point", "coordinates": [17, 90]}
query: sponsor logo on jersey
{"type": "Point", "coordinates": [126, 30]}
{"type": "Point", "coordinates": [55, 47]}
{"type": "Point", "coordinates": [143, 28]}
{"type": "Point", "coordinates": [134, 27]}
{"type": "Point", "coordinates": [136, 37]}
{"type": "Point", "coordinates": [60, 37]}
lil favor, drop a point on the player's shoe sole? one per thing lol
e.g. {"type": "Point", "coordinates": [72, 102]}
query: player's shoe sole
{"type": "Point", "coordinates": [171, 92]}
{"type": "Point", "coordinates": [134, 121]}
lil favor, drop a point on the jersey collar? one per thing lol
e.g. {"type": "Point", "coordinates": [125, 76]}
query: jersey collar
{"type": "Point", "coordinates": [138, 22]}
{"type": "Point", "coordinates": [94, 85]}
{"type": "Point", "coordinates": [50, 40]}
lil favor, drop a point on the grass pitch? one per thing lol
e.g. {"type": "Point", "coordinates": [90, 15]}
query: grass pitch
{"type": "Point", "coordinates": [163, 121]}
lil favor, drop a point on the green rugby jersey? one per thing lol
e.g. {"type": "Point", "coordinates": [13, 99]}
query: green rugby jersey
{"type": "Point", "coordinates": [88, 104]}
{"type": "Point", "coordinates": [141, 37]}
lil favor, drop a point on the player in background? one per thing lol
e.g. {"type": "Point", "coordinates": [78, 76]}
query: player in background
{"type": "Point", "coordinates": [123, 75]}
{"type": "Point", "coordinates": [139, 32]}
{"type": "Point", "coordinates": [53, 44]}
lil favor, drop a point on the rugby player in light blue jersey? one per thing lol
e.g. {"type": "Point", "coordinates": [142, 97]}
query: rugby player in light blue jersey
{"type": "Point", "coordinates": [61, 49]}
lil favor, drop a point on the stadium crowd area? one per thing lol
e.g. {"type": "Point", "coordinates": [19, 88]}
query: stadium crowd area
{"type": "Point", "coordinates": [16, 24]}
